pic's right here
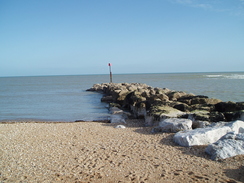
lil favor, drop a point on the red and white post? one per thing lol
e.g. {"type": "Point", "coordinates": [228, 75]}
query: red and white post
{"type": "Point", "coordinates": [111, 80]}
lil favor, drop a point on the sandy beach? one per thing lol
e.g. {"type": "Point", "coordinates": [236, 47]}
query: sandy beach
{"type": "Point", "coordinates": [98, 152]}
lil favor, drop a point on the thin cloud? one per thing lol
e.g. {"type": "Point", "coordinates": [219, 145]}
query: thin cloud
{"type": "Point", "coordinates": [204, 6]}
{"type": "Point", "coordinates": [233, 7]}
{"type": "Point", "coordinates": [240, 9]}
{"type": "Point", "coordinates": [193, 3]}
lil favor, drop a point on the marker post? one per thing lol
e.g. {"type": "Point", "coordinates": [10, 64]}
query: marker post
{"type": "Point", "coordinates": [109, 64]}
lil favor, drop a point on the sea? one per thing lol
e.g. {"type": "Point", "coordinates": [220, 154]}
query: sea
{"type": "Point", "coordinates": [65, 99]}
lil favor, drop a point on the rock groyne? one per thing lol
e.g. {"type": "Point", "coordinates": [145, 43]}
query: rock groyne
{"type": "Point", "coordinates": [156, 104]}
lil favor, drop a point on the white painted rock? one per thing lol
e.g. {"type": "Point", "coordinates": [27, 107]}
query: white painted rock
{"type": "Point", "coordinates": [229, 145]}
{"type": "Point", "coordinates": [205, 136]}
{"type": "Point", "coordinates": [173, 125]}
{"type": "Point", "coordinates": [120, 126]}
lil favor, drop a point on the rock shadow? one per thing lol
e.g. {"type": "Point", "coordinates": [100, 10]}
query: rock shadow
{"type": "Point", "coordinates": [235, 174]}
{"type": "Point", "coordinates": [167, 139]}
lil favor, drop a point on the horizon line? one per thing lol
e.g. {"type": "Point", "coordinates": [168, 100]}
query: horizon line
{"type": "Point", "coordinates": [49, 75]}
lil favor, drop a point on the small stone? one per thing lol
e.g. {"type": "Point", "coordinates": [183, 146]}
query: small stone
{"type": "Point", "coordinates": [120, 126]}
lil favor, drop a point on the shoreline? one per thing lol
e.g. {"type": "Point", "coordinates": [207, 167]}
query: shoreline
{"type": "Point", "coordinates": [97, 152]}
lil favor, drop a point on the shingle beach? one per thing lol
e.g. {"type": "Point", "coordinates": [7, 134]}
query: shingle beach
{"type": "Point", "coordinates": [98, 152]}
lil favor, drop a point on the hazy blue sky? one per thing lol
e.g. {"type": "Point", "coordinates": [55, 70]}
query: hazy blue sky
{"type": "Point", "coordinates": [60, 37]}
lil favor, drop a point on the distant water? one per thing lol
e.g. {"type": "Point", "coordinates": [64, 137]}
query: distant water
{"type": "Point", "coordinates": [63, 98]}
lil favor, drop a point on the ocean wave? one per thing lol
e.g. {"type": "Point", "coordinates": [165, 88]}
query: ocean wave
{"type": "Point", "coordinates": [235, 76]}
{"type": "Point", "coordinates": [214, 76]}
{"type": "Point", "coordinates": [232, 76]}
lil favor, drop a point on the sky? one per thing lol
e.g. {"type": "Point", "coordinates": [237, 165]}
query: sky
{"type": "Point", "coordinates": [76, 37]}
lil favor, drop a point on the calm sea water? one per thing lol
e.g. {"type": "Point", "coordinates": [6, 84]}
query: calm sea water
{"type": "Point", "coordinates": [63, 98]}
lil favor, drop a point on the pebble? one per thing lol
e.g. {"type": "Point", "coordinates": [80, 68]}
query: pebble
{"type": "Point", "coordinates": [120, 126]}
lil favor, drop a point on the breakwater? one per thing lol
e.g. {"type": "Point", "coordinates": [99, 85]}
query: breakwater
{"type": "Point", "coordinates": [155, 104]}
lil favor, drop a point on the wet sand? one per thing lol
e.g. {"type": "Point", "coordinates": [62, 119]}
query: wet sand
{"type": "Point", "coordinates": [98, 152]}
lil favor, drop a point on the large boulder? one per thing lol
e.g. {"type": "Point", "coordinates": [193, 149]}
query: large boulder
{"type": "Point", "coordinates": [204, 100]}
{"type": "Point", "coordinates": [205, 136]}
{"type": "Point", "coordinates": [231, 110]}
{"type": "Point", "coordinates": [140, 109]}
{"type": "Point", "coordinates": [237, 115]}
{"type": "Point", "coordinates": [229, 106]}
{"type": "Point", "coordinates": [132, 99]}
{"type": "Point", "coordinates": [164, 111]}
{"type": "Point", "coordinates": [97, 87]}
{"type": "Point", "coordinates": [193, 99]}
{"type": "Point", "coordinates": [174, 95]}
{"type": "Point", "coordinates": [161, 90]}
{"type": "Point", "coordinates": [107, 99]}
{"type": "Point", "coordinates": [159, 112]}
{"type": "Point", "coordinates": [182, 107]}
{"type": "Point", "coordinates": [229, 145]}
{"type": "Point", "coordinates": [206, 115]}
{"type": "Point", "coordinates": [161, 97]}
{"type": "Point", "coordinates": [202, 115]}
{"type": "Point", "coordinates": [173, 125]}
{"type": "Point", "coordinates": [121, 95]}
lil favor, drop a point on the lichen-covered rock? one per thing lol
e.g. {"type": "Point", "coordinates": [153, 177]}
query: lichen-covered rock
{"type": "Point", "coordinates": [121, 95]}
{"type": "Point", "coordinates": [161, 97]}
{"type": "Point", "coordinates": [182, 107]}
{"type": "Point", "coordinates": [97, 88]}
{"type": "Point", "coordinates": [161, 90]}
{"type": "Point", "coordinates": [174, 95]}
{"type": "Point", "coordinates": [201, 115]}
{"type": "Point", "coordinates": [213, 101]}
{"type": "Point", "coordinates": [159, 112]}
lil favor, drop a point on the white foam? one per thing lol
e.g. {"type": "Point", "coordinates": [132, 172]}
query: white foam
{"type": "Point", "coordinates": [214, 76]}
{"type": "Point", "coordinates": [233, 76]}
